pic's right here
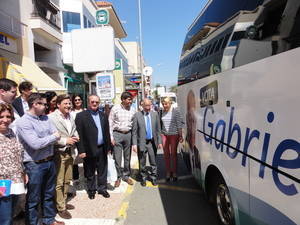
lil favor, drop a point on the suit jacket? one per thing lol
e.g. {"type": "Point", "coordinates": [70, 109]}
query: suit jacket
{"type": "Point", "coordinates": [17, 104]}
{"type": "Point", "coordinates": [88, 133]}
{"type": "Point", "coordinates": [139, 129]}
{"type": "Point", "coordinates": [61, 127]}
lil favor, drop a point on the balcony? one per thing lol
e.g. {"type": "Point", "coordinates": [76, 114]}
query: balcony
{"type": "Point", "coordinates": [45, 19]}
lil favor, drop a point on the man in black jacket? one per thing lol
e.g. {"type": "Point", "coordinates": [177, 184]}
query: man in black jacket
{"type": "Point", "coordinates": [20, 103]}
{"type": "Point", "coordinates": [93, 129]}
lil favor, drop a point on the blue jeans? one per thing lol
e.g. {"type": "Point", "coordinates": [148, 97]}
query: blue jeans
{"type": "Point", "coordinates": [41, 190]}
{"type": "Point", "coordinates": [7, 209]}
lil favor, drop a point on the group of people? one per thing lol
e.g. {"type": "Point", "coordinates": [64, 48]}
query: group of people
{"type": "Point", "coordinates": [43, 135]}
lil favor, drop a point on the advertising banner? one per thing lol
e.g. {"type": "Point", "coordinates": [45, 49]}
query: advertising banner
{"type": "Point", "coordinates": [105, 87]}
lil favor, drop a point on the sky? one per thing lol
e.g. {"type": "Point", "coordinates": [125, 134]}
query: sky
{"type": "Point", "coordinates": [164, 26]}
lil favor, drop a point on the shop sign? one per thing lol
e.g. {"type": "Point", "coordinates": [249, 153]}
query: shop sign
{"type": "Point", "coordinates": [8, 43]}
{"type": "Point", "coordinates": [118, 65]}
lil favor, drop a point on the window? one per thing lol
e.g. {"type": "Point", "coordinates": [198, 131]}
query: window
{"type": "Point", "coordinates": [225, 41]}
{"type": "Point", "coordinates": [213, 47]}
{"type": "Point", "coordinates": [71, 21]}
{"type": "Point", "coordinates": [219, 44]}
{"type": "Point", "coordinates": [85, 25]}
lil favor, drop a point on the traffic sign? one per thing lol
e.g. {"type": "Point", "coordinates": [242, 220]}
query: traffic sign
{"type": "Point", "coordinates": [102, 17]}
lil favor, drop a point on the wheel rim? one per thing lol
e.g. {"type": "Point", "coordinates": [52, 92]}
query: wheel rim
{"type": "Point", "coordinates": [224, 205]}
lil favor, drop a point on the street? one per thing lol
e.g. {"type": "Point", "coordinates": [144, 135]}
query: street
{"type": "Point", "coordinates": [174, 203]}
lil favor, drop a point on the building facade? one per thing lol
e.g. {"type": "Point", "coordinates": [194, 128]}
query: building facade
{"type": "Point", "coordinates": [31, 43]}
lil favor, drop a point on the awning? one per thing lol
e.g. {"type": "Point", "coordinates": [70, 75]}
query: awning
{"type": "Point", "coordinates": [21, 68]}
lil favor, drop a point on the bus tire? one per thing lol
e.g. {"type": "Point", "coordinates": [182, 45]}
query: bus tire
{"type": "Point", "coordinates": [223, 203]}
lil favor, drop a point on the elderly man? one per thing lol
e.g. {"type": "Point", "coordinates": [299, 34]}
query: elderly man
{"type": "Point", "coordinates": [146, 138]}
{"type": "Point", "coordinates": [93, 129]}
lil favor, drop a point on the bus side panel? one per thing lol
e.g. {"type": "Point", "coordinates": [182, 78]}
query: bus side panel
{"type": "Point", "coordinates": [256, 113]}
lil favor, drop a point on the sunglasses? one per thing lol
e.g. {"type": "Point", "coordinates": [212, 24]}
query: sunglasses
{"type": "Point", "coordinates": [41, 103]}
{"type": "Point", "coordinates": [77, 100]}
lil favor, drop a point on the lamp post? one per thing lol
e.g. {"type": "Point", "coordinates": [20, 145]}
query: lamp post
{"type": "Point", "coordinates": [141, 48]}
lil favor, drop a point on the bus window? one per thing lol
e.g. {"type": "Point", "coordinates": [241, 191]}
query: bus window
{"type": "Point", "coordinates": [219, 45]}
{"type": "Point", "coordinates": [225, 41]}
{"type": "Point", "coordinates": [213, 47]}
{"type": "Point", "coordinates": [207, 50]}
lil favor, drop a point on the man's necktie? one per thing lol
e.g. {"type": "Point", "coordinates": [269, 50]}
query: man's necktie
{"type": "Point", "coordinates": [148, 127]}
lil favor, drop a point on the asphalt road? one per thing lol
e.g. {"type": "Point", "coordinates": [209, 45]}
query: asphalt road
{"type": "Point", "coordinates": [174, 203]}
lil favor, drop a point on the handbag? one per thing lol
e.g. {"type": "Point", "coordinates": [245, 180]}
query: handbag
{"type": "Point", "coordinates": [111, 169]}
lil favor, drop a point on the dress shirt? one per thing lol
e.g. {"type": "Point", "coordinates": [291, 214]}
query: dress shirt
{"type": "Point", "coordinates": [120, 119]}
{"type": "Point", "coordinates": [97, 121]}
{"type": "Point", "coordinates": [25, 105]}
{"type": "Point", "coordinates": [36, 133]}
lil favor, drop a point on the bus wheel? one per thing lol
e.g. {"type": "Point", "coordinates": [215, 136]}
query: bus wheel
{"type": "Point", "coordinates": [223, 203]}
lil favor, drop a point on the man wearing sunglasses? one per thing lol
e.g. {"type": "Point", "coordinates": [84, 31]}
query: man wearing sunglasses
{"type": "Point", "coordinates": [38, 134]}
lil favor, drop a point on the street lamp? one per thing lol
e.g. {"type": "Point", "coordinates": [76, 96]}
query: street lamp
{"type": "Point", "coordinates": [141, 48]}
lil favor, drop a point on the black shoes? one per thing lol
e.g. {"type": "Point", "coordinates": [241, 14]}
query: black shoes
{"type": "Point", "coordinates": [105, 194]}
{"type": "Point", "coordinates": [143, 183]}
{"type": "Point", "coordinates": [91, 195]}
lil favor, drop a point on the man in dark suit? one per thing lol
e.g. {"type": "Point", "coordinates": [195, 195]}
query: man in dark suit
{"type": "Point", "coordinates": [93, 129]}
{"type": "Point", "coordinates": [146, 138]}
{"type": "Point", "coordinates": [20, 103]}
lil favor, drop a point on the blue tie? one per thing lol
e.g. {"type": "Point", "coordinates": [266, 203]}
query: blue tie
{"type": "Point", "coordinates": [148, 127]}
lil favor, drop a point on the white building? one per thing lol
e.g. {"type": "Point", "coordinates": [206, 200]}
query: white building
{"type": "Point", "coordinates": [32, 31]}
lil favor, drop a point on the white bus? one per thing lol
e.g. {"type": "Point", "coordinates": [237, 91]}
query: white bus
{"type": "Point", "coordinates": [239, 92]}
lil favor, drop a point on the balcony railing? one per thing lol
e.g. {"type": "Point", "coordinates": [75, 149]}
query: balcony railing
{"type": "Point", "coordinates": [47, 11]}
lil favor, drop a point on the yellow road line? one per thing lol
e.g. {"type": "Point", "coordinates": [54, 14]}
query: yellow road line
{"type": "Point", "coordinates": [129, 189]}
{"type": "Point", "coordinates": [123, 210]}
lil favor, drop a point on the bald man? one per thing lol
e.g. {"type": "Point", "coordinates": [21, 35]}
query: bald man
{"type": "Point", "coordinates": [93, 129]}
{"type": "Point", "coordinates": [146, 138]}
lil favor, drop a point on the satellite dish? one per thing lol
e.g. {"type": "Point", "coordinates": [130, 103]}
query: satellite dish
{"type": "Point", "coordinates": [147, 71]}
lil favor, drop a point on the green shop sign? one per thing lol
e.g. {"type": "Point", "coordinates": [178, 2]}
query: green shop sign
{"type": "Point", "coordinates": [118, 64]}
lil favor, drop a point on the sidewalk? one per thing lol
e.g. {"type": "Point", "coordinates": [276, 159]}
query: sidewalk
{"type": "Point", "coordinates": [99, 211]}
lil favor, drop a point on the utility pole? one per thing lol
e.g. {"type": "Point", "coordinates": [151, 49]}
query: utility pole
{"type": "Point", "coordinates": [141, 48]}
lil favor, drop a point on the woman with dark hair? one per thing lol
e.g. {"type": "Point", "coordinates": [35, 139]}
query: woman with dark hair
{"type": "Point", "coordinates": [77, 108]}
{"type": "Point", "coordinates": [51, 97]}
{"type": "Point", "coordinates": [12, 176]}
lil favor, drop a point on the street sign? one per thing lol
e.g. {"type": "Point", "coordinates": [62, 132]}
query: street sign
{"type": "Point", "coordinates": [93, 49]}
{"type": "Point", "coordinates": [102, 17]}
{"type": "Point", "coordinates": [147, 71]}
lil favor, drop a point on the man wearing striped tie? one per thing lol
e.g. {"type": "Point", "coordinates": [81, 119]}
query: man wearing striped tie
{"type": "Point", "coordinates": [146, 138]}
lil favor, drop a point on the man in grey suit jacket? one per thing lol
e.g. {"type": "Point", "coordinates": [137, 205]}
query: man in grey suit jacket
{"type": "Point", "coordinates": [64, 152]}
{"type": "Point", "coordinates": [146, 138]}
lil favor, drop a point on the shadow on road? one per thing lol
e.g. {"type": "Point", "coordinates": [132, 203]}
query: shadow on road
{"type": "Point", "coordinates": [183, 201]}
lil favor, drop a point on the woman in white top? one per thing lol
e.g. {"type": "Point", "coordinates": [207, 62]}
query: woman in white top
{"type": "Point", "coordinates": [77, 108]}
{"type": "Point", "coordinates": [171, 134]}
{"type": "Point", "coordinates": [12, 176]}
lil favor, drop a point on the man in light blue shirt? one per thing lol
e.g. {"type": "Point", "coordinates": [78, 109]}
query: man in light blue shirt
{"type": "Point", "coordinates": [38, 135]}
